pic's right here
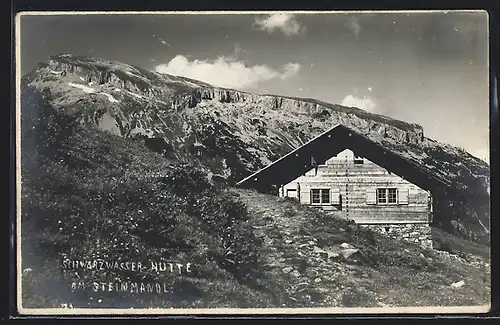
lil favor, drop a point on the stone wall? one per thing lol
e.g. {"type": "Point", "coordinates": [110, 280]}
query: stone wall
{"type": "Point", "coordinates": [415, 233]}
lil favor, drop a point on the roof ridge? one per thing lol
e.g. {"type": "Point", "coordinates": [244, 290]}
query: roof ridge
{"type": "Point", "coordinates": [347, 128]}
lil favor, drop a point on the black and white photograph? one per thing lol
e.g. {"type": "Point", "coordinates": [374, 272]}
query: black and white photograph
{"type": "Point", "coordinates": [252, 162]}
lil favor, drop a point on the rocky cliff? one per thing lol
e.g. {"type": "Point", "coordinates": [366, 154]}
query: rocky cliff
{"type": "Point", "coordinates": [233, 133]}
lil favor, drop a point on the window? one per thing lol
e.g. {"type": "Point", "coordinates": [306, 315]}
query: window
{"type": "Point", "coordinates": [392, 195]}
{"type": "Point", "coordinates": [320, 196]}
{"type": "Point", "coordinates": [316, 196]}
{"type": "Point", "coordinates": [387, 196]}
{"type": "Point", "coordinates": [358, 160]}
{"type": "Point", "coordinates": [325, 196]}
{"type": "Point", "coordinates": [381, 195]}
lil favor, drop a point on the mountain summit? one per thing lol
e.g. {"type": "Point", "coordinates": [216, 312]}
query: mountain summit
{"type": "Point", "coordinates": [234, 133]}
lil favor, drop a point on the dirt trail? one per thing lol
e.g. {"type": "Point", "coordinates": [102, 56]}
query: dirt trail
{"type": "Point", "coordinates": [311, 275]}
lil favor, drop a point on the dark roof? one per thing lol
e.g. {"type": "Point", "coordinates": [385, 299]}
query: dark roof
{"type": "Point", "coordinates": [330, 143]}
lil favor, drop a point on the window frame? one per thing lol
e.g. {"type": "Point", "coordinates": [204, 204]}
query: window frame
{"type": "Point", "coordinates": [327, 196]}
{"type": "Point", "coordinates": [321, 193]}
{"type": "Point", "coordinates": [358, 160]}
{"type": "Point", "coordinates": [387, 193]}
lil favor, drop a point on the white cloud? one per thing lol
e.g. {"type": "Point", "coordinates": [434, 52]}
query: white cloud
{"type": "Point", "coordinates": [226, 71]}
{"type": "Point", "coordinates": [354, 26]}
{"type": "Point", "coordinates": [290, 70]}
{"type": "Point", "coordinates": [365, 103]}
{"type": "Point", "coordinates": [286, 23]}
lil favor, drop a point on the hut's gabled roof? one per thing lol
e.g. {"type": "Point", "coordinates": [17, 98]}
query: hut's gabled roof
{"type": "Point", "coordinates": [329, 144]}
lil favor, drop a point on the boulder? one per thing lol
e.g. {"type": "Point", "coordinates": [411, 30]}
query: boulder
{"type": "Point", "coordinates": [346, 246]}
{"type": "Point", "coordinates": [319, 250]}
{"type": "Point", "coordinates": [333, 255]}
{"type": "Point", "coordinates": [349, 252]}
{"type": "Point", "coordinates": [458, 284]}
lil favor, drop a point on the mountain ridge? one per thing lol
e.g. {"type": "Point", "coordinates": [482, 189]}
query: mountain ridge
{"type": "Point", "coordinates": [84, 61]}
{"type": "Point", "coordinates": [234, 133]}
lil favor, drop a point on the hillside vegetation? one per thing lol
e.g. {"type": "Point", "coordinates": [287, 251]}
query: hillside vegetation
{"type": "Point", "coordinates": [98, 196]}
{"type": "Point", "coordinates": [88, 194]}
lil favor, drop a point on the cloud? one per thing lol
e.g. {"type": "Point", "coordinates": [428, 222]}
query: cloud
{"type": "Point", "coordinates": [365, 103]}
{"type": "Point", "coordinates": [291, 69]}
{"type": "Point", "coordinates": [286, 23]}
{"type": "Point", "coordinates": [226, 71]}
{"type": "Point", "coordinates": [354, 26]}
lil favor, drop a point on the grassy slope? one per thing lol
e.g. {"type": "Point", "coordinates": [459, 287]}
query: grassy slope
{"type": "Point", "coordinates": [94, 192]}
{"type": "Point", "coordinates": [453, 244]}
{"type": "Point", "coordinates": [100, 196]}
{"type": "Point", "coordinates": [387, 273]}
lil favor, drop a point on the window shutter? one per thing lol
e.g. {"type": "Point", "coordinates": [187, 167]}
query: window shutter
{"type": "Point", "coordinates": [335, 196]}
{"type": "Point", "coordinates": [403, 196]}
{"type": "Point", "coordinates": [371, 196]}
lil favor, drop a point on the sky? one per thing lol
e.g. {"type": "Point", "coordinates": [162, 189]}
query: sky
{"type": "Point", "coordinates": [429, 68]}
